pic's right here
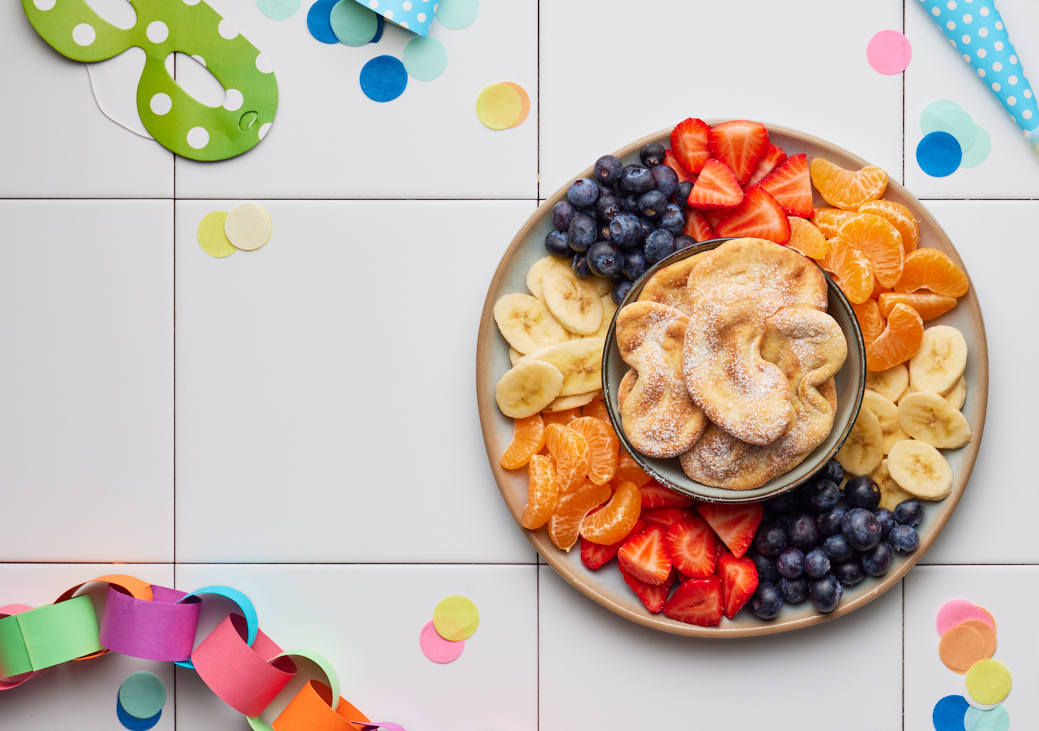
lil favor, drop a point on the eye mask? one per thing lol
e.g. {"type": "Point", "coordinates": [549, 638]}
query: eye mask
{"type": "Point", "coordinates": [173, 117]}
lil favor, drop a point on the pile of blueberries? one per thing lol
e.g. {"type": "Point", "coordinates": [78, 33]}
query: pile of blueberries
{"type": "Point", "coordinates": [621, 221]}
{"type": "Point", "coordinates": [816, 540]}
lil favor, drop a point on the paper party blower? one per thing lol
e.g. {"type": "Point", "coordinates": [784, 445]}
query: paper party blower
{"type": "Point", "coordinates": [415, 15]}
{"type": "Point", "coordinates": [976, 29]}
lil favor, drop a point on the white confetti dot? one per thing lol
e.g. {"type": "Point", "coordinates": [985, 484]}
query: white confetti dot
{"type": "Point", "coordinates": [406, 5]}
{"type": "Point", "coordinates": [983, 32]}
{"type": "Point", "coordinates": [998, 45]}
{"type": "Point", "coordinates": [950, 25]}
{"type": "Point", "coordinates": [263, 64]}
{"type": "Point", "coordinates": [1013, 59]}
{"type": "Point", "coordinates": [248, 227]}
{"type": "Point", "coordinates": [84, 34]}
{"type": "Point", "coordinates": [226, 29]}
{"type": "Point", "coordinates": [161, 103]}
{"type": "Point", "coordinates": [984, 12]}
{"type": "Point", "coordinates": [373, 3]}
{"type": "Point", "coordinates": [264, 129]}
{"type": "Point", "coordinates": [996, 86]}
{"type": "Point", "coordinates": [982, 53]}
{"type": "Point", "coordinates": [43, 5]}
{"type": "Point", "coordinates": [981, 73]}
{"type": "Point", "coordinates": [936, 11]}
{"type": "Point", "coordinates": [965, 39]}
{"type": "Point", "coordinates": [421, 17]}
{"type": "Point", "coordinates": [404, 24]}
{"type": "Point", "coordinates": [157, 31]}
{"type": "Point", "coordinates": [1027, 114]}
{"type": "Point", "coordinates": [951, 5]}
{"type": "Point", "coordinates": [968, 18]}
{"type": "Point", "coordinates": [201, 60]}
{"type": "Point", "coordinates": [233, 100]}
{"type": "Point", "coordinates": [198, 137]}
{"type": "Point", "coordinates": [999, 25]}
{"type": "Point", "coordinates": [997, 66]}
{"type": "Point", "coordinates": [1012, 80]}
{"type": "Point", "coordinates": [389, 15]}
{"type": "Point", "coordinates": [1011, 100]}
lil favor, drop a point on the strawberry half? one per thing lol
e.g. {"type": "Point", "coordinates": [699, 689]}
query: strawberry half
{"type": "Point", "coordinates": [716, 187]}
{"type": "Point", "coordinates": [734, 524]}
{"type": "Point", "coordinates": [791, 186]}
{"type": "Point", "coordinates": [689, 144]}
{"type": "Point", "coordinates": [773, 156]}
{"type": "Point", "coordinates": [740, 144]}
{"type": "Point", "coordinates": [665, 517]}
{"type": "Point", "coordinates": [692, 547]}
{"type": "Point", "coordinates": [697, 227]}
{"type": "Point", "coordinates": [697, 601]}
{"type": "Point", "coordinates": [655, 495]}
{"type": "Point", "coordinates": [652, 596]}
{"type": "Point", "coordinates": [758, 216]}
{"type": "Point", "coordinates": [644, 556]}
{"type": "Point", "coordinates": [595, 556]}
{"type": "Point", "coordinates": [672, 162]}
{"type": "Point", "coordinates": [739, 580]}
{"type": "Point", "coordinates": [715, 217]}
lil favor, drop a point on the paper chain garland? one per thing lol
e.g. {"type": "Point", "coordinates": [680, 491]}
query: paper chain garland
{"type": "Point", "coordinates": [237, 661]}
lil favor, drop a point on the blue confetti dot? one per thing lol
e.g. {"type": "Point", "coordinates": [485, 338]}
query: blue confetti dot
{"type": "Point", "coordinates": [378, 31]}
{"type": "Point", "coordinates": [319, 21]}
{"type": "Point", "coordinates": [938, 154]}
{"type": "Point", "coordinates": [950, 710]}
{"type": "Point", "coordinates": [132, 723]}
{"type": "Point", "coordinates": [384, 78]}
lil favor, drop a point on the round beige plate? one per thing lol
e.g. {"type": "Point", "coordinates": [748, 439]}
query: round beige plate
{"type": "Point", "coordinates": [606, 585]}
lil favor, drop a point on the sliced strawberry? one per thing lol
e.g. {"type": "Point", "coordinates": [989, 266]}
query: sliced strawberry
{"type": "Point", "coordinates": [692, 547]}
{"type": "Point", "coordinates": [734, 524]}
{"type": "Point", "coordinates": [791, 186]}
{"type": "Point", "coordinates": [672, 162]}
{"type": "Point", "coordinates": [739, 580]}
{"type": "Point", "coordinates": [655, 495]}
{"type": "Point", "coordinates": [652, 596]}
{"type": "Point", "coordinates": [595, 556]}
{"type": "Point", "coordinates": [665, 517]}
{"type": "Point", "coordinates": [715, 217]}
{"type": "Point", "coordinates": [740, 144]}
{"type": "Point", "coordinates": [716, 187]}
{"type": "Point", "coordinates": [758, 216]}
{"type": "Point", "coordinates": [644, 556]}
{"type": "Point", "coordinates": [689, 143]}
{"type": "Point", "coordinates": [697, 601]}
{"type": "Point", "coordinates": [697, 227]}
{"type": "Point", "coordinates": [773, 156]}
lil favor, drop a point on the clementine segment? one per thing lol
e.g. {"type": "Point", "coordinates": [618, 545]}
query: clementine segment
{"type": "Point", "coordinates": [926, 304]}
{"type": "Point", "coordinates": [806, 238]}
{"type": "Point", "coordinates": [563, 417]}
{"type": "Point", "coordinates": [628, 470]}
{"type": "Point", "coordinates": [570, 453]}
{"type": "Point", "coordinates": [871, 322]}
{"type": "Point", "coordinates": [596, 408]}
{"type": "Point", "coordinates": [602, 447]}
{"type": "Point", "coordinates": [829, 220]}
{"type": "Point", "coordinates": [934, 270]}
{"type": "Point", "coordinates": [852, 270]}
{"type": "Point", "coordinates": [899, 341]}
{"type": "Point", "coordinates": [617, 517]}
{"type": "Point", "coordinates": [542, 492]}
{"type": "Point", "coordinates": [847, 189]}
{"type": "Point", "coordinates": [900, 217]}
{"type": "Point", "coordinates": [528, 438]}
{"type": "Point", "coordinates": [565, 524]}
{"type": "Point", "coordinates": [878, 239]}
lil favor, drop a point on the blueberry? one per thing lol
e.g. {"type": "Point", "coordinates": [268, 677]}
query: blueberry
{"type": "Point", "coordinates": [830, 522]}
{"type": "Point", "coordinates": [837, 548]}
{"type": "Point", "coordinates": [903, 538]}
{"type": "Point", "coordinates": [682, 193]}
{"type": "Point", "coordinates": [583, 192]}
{"type": "Point", "coordinates": [909, 512]}
{"type": "Point", "coordinates": [608, 206]}
{"type": "Point", "coordinates": [770, 540]}
{"type": "Point", "coordinates": [579, 263]}
{"type": "Point", "coordinates": [604, 232]}
{"type": "Point", "coordinates": [636, 179]}
{"type": "Point", "coordinates": [794, 591]}
{"type": "Point", "coordinates": [563, 213]}
{"type": "Point", "coordinates": [673, 219]}
{"type": "Point", "coordinates": [886, 520]}
{"type": "Point", "coordinates": [630, 203]}
{"type": "Point", "coordinates": [607, 169]}
{"type": "Point", "coordinates": [831, 471]}
{"type": "Point", "coordinates": [823, 495]}
{"type": "Point", "coordinates": [604, 259]}
{"type": "Point", "coordinates": [791, 563]}
{"type": "Point", "coordinates": [877, 561]}
{"type": "Point", "coordinates": [634, 265]}
{"type": "Point", "coordinates": [766, 568]}
{"type": "Point", "coordinates": [767, 601]}
{"type": "Point", "coordinates": [557, 243]}
{"type": "Point", "coordinates": [666, 179]}
{"type": "Point", "coordinates": [646, 227]}
{"type": "Point", "coordinates": [683, 241]}
{"type": "Point", "coordinates": [784, 503]}
{"type": "Point", "coordinates": [620, 290]}
{"type": "Point", "coordinates": [825, 593]}
{"type": "Point", "coordinates": [659, 245]}
{"type": "Point", "coordinates": [582, 233]}
{"type": "Point", "coordinates": [849, 573]}
{"type": "Point", "coordinates": [651, 204]}
{"type": "Point", "coordinates": [625, 230]}
{"type": "Point", "coordinates": [817, 563]}
{"type": "Point", "coordinates": [803, 532]}
{"type": "Point", "coordinates": [652, 153]}
{"type": "Point", "coordinates": [862, 492]}
{"type": "Point", "coordinates": [861, 528]}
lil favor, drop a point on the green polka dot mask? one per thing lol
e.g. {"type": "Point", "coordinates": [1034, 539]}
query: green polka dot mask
{"type": "Point", "coordinates": [172, 116]}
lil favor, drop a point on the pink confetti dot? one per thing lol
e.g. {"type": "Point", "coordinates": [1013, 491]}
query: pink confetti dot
{"type": "Point", "coordinates": [889, 52]}
{"type": "Point", "coordinates": [436, 648]}
{"type": "Point", "coordinates": [958, 611]}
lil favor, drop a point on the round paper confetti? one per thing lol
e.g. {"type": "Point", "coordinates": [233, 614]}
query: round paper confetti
{"type": "Point", "coordinates": [524, 101]}
{"type": "Point", "coordinates": [988, 681]}
{"type": "Point", "coordinates": [927, 124]}
{"type": "Point", "coordinates": [353, 23]}
{"type": "Point", "coordinates": [965, 644]}
{"type": "Point", "coordinates": [142, 695]}
{"type": "Point", "coordinates": [248, 227]}
{"type": "Point", "coordinates": [938, 154]}
{"type": "Point", "coordinates": [996, 719]}
{"type": "Point", "coordinates": [318, 21]}
{"type": "Point", "coordinates": [889, 52]}
{"type": "Point", "coordinates": [211, 236]}
{"type": "Point", "coordinates": [949, 712]}
{"type": "Point", "coordinates": [278, 9]}
{"type": "Point", "coordinates": [436, 648]}
{"type": "Point", "coordinates": [378, 31]}
{"type": "Point", "coordinates": [424, 58]}
{"type": "Point", "coordinates": [957, 611]}
{"type": "Point", "coordinates": [135, 724]}
{"type": "Point", "coordinates": [456, 618]}
{"type": "Point", "coordinates": [956, 122]}
{"type": "Point", "coordinates": [384, 78]}
{"type": "Point", "coordinates": [457, 14]}
{"type": "Point", "coordinates": [978, 151]}
{"type": "Point", "coordinates": [499, 106]}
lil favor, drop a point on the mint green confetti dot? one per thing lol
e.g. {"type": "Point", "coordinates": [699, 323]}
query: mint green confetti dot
{"type": "Point", "coordinates": [457, 14]}
{"type": "Point", "coordinates": [424, 58]}
{"type": "Point", "coordinates": [978, 151]}
{"type": "Point", "coordinates": [353, 24]}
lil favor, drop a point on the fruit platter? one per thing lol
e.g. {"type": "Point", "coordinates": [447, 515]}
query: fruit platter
{"type": "Point", "coordinates": [698, 260]}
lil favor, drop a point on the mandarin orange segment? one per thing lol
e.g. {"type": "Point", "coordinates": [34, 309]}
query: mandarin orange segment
{"type": "Point", "coordinates": [851, 269]}
{"type": "Point", "coordinates": [806, 238]}
{"type": "Point", "coordinates": [900, 217]}
{"type": "Point", "coordinates": [899, 341]}
{"type": "Point", "coordinates": [603, 445]}
{"type": "Point", "coordinates": [617, 517]}
{"type": "Point", "coordinates": [871, 322]}
{"type": "Point", "coordinates": [847, 189]}
{"type": "Point", "coordinates": [570, 453]}
{"type": "Point", "coordinates": [926, 304]}
{"type": "Point", "coordinates": [563, 417]}
{"type": "Point", "coordinates": [934, 270]}
{"type": "Point", "coordinates": [829, 220]}
{"type": "Point", "coordinates": [628, 470]}
{"type": "Point", "coordinates": [528, 438]}
{"type": "Point", "coordinates": [565, 524]}
{"type": "Point", "coordinates": [542, 492]}
{"type": "Point", "coordinates": [878, 239]}
{"type": "Point", "coordinates": [596, 408]}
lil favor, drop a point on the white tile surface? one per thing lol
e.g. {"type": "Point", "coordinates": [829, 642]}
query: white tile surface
{"type": "Point", "coordinates": [324, 387]}
{"type": "Point", "coordinates": [1000, 590]}
{"type": "Point", "coordinates": [86, 318]}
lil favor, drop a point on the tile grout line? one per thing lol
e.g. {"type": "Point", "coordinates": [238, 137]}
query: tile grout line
{"type": "Point", "coordinates": [904, 77]}
{"type": "Point", "coordinates": [537, 95]}
{"type": "Point", "coordinates": [174, 336]}
{"type": "Point", "coordinates": [537, 598]}
{"type": "Point", "coordinates": [903, 587]}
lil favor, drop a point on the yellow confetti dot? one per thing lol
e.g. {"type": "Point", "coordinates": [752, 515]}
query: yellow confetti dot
{"type": "Point", "coordinates": [456, 618]}
{"type": "Point", "coordinates": [988, 682]}
{"type": "Point", "coordinates": [499, 106]}
{"type": "Point", "coordinates": [248, 227]}
{"type": "Point", "coordinates": [211, 236]}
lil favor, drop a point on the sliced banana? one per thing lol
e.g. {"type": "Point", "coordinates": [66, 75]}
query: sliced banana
{"type": "Point", "coordinates": [527, 388]}
{"type": "Point", "coordinates": [940, 361]}
{"type": "Point", "coordinates": [890, 384]}
{"type": "Point", "coordinates": [514, 356]}
{"type": "Point", "coordinates": [580, 362]}
{"type": "Point", "coordinates": [602, 286]}
{"type": "Point", "coordinates": [887, 414]}
{"type": "Point", "coordinates": [537, 272]}
{"type": "Point", "coordinates": [574, 302]}
{"type": "Point", "coordinates": [920, 469]}
{"type": "Point", "coordinates": [572, 402]}
{"type": "Point", "coordinates": [890, 493]}
{"type": "Point", "coordinates": [863, 449]}
{"type": "Point", "coordinates": [526, 323]}
{"type": "Point", "coordinates": [930, 418]}
{"type": "Point", "coordinates": [609, 307]}
{"type": "Point", "coordinates": [957, 394]}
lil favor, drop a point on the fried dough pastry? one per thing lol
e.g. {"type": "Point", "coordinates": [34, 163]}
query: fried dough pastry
{"type": "Point", "coordinates": [625, 386]}
{"type": "Point", "coordinates": [669, 286]}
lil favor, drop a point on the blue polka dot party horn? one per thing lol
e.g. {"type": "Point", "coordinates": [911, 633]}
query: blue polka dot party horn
{"type": "Point", "coordinates": [415, 15]}
{"type": "Point", "coordinates": [976, 29]}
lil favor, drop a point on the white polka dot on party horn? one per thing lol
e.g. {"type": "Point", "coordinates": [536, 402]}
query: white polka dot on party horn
{"type": "Point", "coordinates": [977, 31]}
{"type": "Point", "coordinates": [414, 15]}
